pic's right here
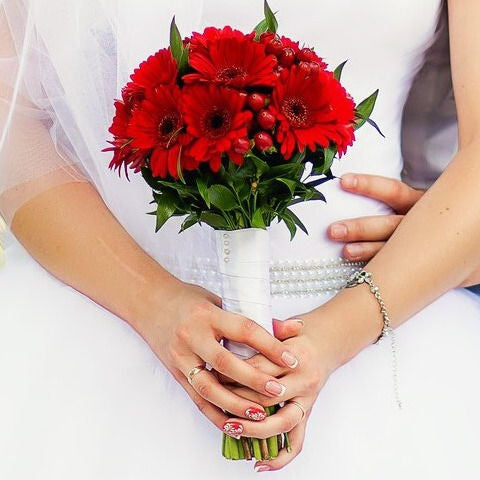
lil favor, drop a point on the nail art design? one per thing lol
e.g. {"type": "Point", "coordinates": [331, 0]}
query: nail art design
{"type": "Point", "coordinates": [234, 429]}
{"type": "Point", "coordinates": [256, 414]}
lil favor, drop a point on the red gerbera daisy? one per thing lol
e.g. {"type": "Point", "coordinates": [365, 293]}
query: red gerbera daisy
{"type": "Point", "coordinates": [216, 118]}
{"type": "Point", "coordinates": [158, 69]}
{"type": "Point", "coordinates": [229, 57]}
{"type": "Point", "coordinates": [157, 125]}
{"type": "Point", "coordinates": [123, 152]}
{"type": "Point", "coordinates": [312, 110]}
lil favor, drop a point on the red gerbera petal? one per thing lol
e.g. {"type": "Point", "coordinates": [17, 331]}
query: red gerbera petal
{"type": "Point", "coordinates": [158, 69]}
{"type": "Point", "coordinates": [215, 117]}
{"type": "Point", "coordinates": [312, 110]}
{"type": "Point", "coordinates": [157, 124]}
{"type": "Point", "coordinates": [229, 57]}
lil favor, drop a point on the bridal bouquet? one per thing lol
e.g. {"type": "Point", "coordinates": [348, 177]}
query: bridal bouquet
{"type": "Point", "coordinates": [231, 130]}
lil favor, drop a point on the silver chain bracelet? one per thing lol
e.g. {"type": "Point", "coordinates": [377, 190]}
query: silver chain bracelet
{"type": "Point", "coordinates": [362, 276]}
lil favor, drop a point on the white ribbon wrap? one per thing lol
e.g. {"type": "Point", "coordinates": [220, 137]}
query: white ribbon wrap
{"type": "Point", "coordinates": [244, 266]}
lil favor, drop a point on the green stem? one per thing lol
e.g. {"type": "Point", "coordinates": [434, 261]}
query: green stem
{"type": "Point", "coordinates": [288, 446]}
{"type": "Point", "coordinates": [256, 449]}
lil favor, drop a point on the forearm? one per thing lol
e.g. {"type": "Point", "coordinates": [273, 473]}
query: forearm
{"type": "Point", "coordinates": [70, 231]}
{"type": "Point", "coordinates": [434, 249]}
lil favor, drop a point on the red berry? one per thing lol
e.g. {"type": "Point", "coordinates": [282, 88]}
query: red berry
{"type": "Point", "coordinates": [274, 46]}
{"type": "Point", "coordinates": [263, 141]}
{"type": "Point", "coordinates": [266, 120]}
{"type": "Point", "coordinates": [314, 67]}
{"type": "Point", "coordinates": [306, 55]}
{"type": "Point", "coordinates": [241, 145]}
{"type": "Point", "coordinates": [305, 67]}
{"type": "Point", "coordinates": [256, 101]}
{"type": "Point", "coordinates": [287, 57]}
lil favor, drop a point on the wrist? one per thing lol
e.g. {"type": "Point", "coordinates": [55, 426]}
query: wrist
{"type": "Point", "coordinates": [346, 324]}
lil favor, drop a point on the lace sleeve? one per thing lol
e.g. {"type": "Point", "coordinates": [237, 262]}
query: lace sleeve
{"type": "Point", "coordinates": [32, 159]}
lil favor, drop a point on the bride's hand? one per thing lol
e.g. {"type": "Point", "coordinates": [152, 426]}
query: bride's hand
{"type": "Point", "coordinates": [187, 333]}
{"type": "Point", "coordinates": [365, 236]}
{"type": "Point", "coordinates": [317, 359]}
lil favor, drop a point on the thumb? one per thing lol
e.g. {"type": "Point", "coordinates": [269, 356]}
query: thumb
{"type": "Point", "coordinates": [283, 329]}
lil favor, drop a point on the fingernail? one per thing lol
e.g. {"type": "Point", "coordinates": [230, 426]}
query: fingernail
{"type": "Point", "coordinates": [299, 320]}
{"type": "Point", "coordinates": [349, 180]}
{"type": "Point", "coordinates": [354, 250]}
{"type": "Point", "coordinates": [338, 230]}
{"type": "Point", "coordinates": [261, 468]}
{"type": "Point", "coordinates": [254, 413]}
{"type": "Point", "coordinates": [234, 429]}
{"type": "Point", "coordinates": [289, 359]}
{"type": "Point", "coordinates": [275, 388]}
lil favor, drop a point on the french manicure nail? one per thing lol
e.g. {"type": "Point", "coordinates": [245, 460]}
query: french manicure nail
{"type": "Point", "coordinates": [289, 359]}
{"type": "Point", "coordinates": [299, 320]}
{"type": "Point", "coordinates": [338, 230]}
{"type": "Point", "coordinates": [349, 180]}
{"type": "Point", "coordinates": [275, 388]}
{"type": "Point", "coordinates": [261, 468]}
{"type": "Point", "coordinates": [234, 429]}
{"type": "Point", "coordinates": [354, 250]}
{"type": "Point", "coordinates": [254, 413]}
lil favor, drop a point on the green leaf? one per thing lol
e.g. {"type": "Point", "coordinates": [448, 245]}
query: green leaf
{"type": "Point", "coordinates": [176, 43]}
{"type": "Point", "coordinates": [365, 109]}
{"type": "Point", "coordinates": [191, 220]}
{"type": "Point", "coordinates": [165, 209]}
{"type": "Point", "coordinates": [222, 197]}
{"type": "Point", "coordinates": [299, 157]}
{"type": "Point", "coordinates": [260, 164]}
{"type": "Point", "coordinates": [291, 184]}
{"type": "Point", "coordinates": [287, 169]}
{"type": "Point", "coordinates": [203, 190]}
{"type": "Point", "coordinates": [330, 153]}
{"type": "Point", "coordinates": [260, 28]}
{"type": "Point", "coordinates": [214, 220]}
{"type": "Point", "coordinates": [183, 60]}
{"type": "Point", "coordinates": [272, 23]}
{"type": "Point", "coordinates": [257, 219]}
{"type": "Point", "coordinates": [337, 73]}
{"type": "Point", "coordinates": [297, 221]}
{"type": "Point", "coordinates": [289, 222]}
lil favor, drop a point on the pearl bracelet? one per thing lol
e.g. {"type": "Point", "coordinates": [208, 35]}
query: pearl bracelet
{"type": "Point", "coordinates": [362, 276]}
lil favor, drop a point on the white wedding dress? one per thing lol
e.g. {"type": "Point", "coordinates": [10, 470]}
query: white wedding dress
{"type": "Point", "coordinates": [83, 397]}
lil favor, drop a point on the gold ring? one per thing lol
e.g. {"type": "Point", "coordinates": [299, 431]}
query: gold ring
{"type": "Point", "coordinates": [194, 371]}
{"type": "Point", "coordinates": [301, 407]}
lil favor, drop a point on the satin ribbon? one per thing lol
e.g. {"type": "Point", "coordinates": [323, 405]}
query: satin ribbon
{"type": "Point", "coordinates": [244, 267]}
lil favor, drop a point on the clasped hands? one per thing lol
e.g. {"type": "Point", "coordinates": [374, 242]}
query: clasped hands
{"type": "Point", "coordinates": [293, 365]}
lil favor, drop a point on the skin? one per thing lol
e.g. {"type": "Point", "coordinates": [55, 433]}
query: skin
{"type": "Point", "coordinates": [174, 317]}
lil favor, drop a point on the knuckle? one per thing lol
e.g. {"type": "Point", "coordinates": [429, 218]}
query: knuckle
{"type": "Point", "coordinates": [247, 327]}
{"type": "Point", "coordinates": [203, 388]}
{"type": "Point", "coordinates": [182, 333]}
{"type": "Point", "coordinates": [221, 361]}
{"type": "Point", "coordinates": [201, 311]}
{"type": "Point", "coordinates": [288, 424]}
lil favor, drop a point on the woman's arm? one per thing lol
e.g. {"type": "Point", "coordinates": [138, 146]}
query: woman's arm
{"type": "Point", "coordinates": [70, 231]}
{"type": "Point", "coordinates": [435, 248]}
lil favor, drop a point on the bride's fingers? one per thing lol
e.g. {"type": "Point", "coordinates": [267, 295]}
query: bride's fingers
{"type": "Point", "coordinates": [287, 418]}
{"type": "Point", "coordinates": [208, 387]}
{"type": "Point", "coordinates": [244, 330]}
{"type": "Point", "coordinates": [283, 329]}
{"type": "Point", "coordinates": [370, 229]}
{"type": "Point", "coordinates": [228, 364]}
{"type": "Point", "coordinates": [212, 412]}
{"type": "Point", "coordinates": [296, 437]}
{"type": "Point", "coordinates": [361, 251]}
{"type": "Point", "coordinates": [260, 363]}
